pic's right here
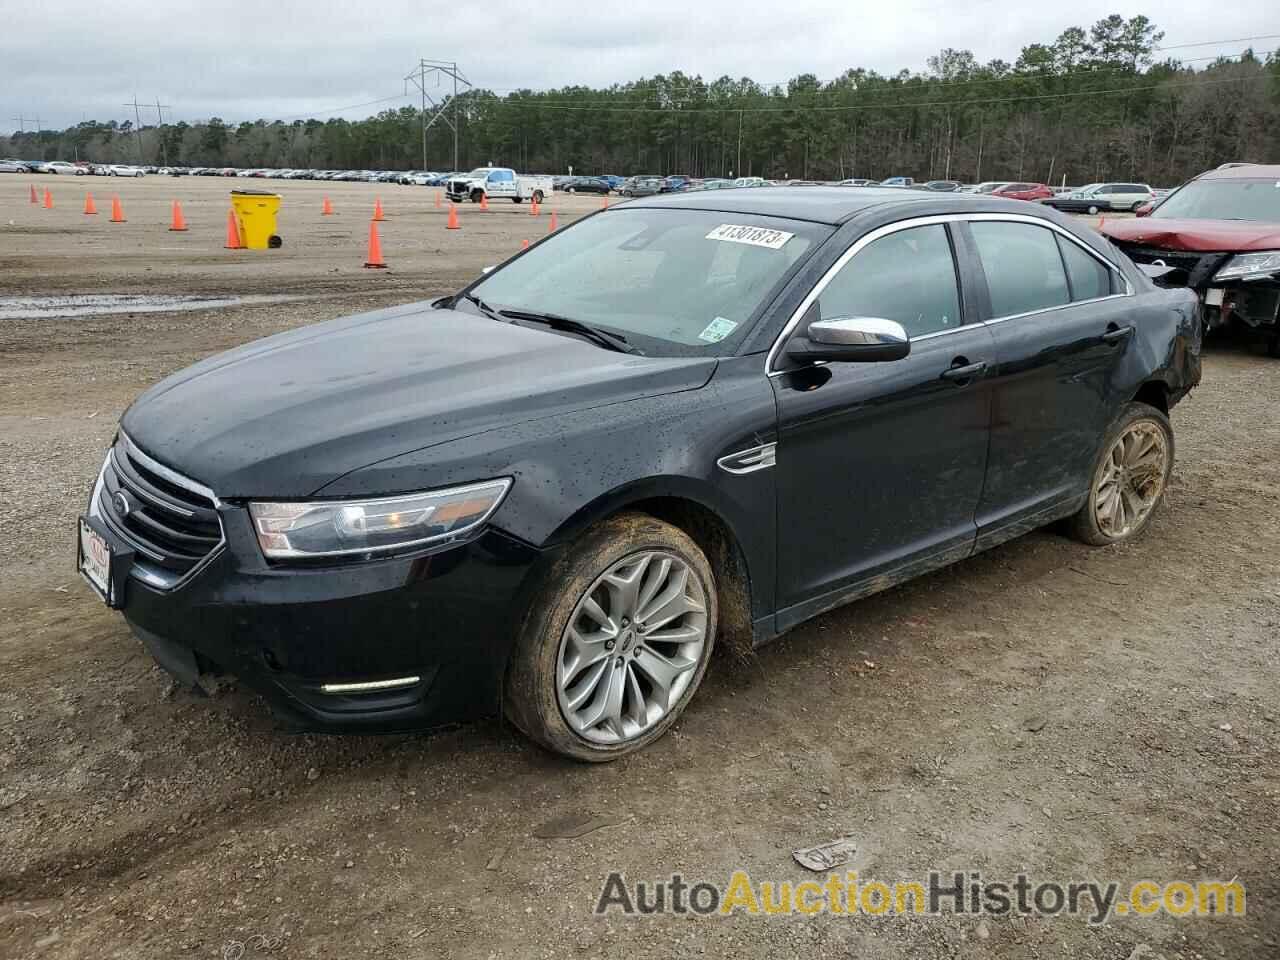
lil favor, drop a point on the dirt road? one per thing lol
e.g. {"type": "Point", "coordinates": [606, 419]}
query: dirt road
{"type": "Point", "coordinates": [1046, 708]}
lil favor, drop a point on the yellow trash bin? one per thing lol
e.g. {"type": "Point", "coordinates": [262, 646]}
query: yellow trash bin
{"type": "Point", "coordinates": [256, 216]}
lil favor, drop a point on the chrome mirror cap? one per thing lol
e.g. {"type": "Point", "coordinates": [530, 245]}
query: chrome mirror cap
{"type": "Point", "coordinates": [857, 331]}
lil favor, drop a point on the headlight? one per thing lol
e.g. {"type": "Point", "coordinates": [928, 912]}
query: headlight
{"type": "Point", "coordinates": [330, 528]}
{"type": "Point", "coordinates": [1250, 266]}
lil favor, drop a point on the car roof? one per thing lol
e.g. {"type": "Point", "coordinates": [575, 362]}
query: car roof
{"type": "Point", "coordinates": [1247, 171]}
{"type": "Point", "coordinates": [830, 205]}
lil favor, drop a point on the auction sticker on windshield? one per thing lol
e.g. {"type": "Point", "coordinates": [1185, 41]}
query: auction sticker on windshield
{"type": "Point", "coordinates": [756, 236]}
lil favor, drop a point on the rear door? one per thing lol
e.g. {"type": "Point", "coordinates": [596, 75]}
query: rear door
{"type": "Point", "coordinates": [1050, 303]}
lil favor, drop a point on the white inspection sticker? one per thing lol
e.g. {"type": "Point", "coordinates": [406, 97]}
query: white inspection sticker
{"type": "Point", "coordinates": [756, 236]}
{"type": "Point", "coordinates": [717, 330]}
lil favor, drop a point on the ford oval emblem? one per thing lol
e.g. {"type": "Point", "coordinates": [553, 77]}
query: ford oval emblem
{"type": "Point", "coordinates": [122, 503]}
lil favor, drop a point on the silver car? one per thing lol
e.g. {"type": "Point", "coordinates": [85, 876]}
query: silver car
{"type": "Point", "coordinates": [14, 166]}
{"type": "Point", "coordinates": [64, 168]}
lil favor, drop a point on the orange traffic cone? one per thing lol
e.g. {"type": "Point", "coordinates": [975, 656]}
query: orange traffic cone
{"type": "Point", "coordinates": [604, 203]}
{"type": "Point", "coordinates": [533, 211]}
{"type": "Point", "coordinates": [90, 208]}
{"type": "Point", "coordinates": [34, 198]}
{"type": "Point", "coordinates": [326, 208]}
{"type": "Point", "coordinates": [484, 201]}
{"type": "Point", "coordinates": [374, 259]}
{"type": "Point", "coordinates": [438, 203]}
{"type": "Point", "coordinates": [453, 219]}
{"type": "Point", "coordinates": [377, 210]}
{"type": "Point", "coordinates": [233, 231]}
{"type": "Point", "coordinates": [48, 199]}
{"type": "Point", "coordinates": [179, 224]}
{"type": "Point", "coordinates": [551, 228]}
{"type": "Point", "coordinates": [117, 211]}
{"type": "Point", "coordinates": [524, 244]}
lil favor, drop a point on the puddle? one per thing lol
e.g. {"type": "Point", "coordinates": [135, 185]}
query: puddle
{"type": "Point", "coordinates": [97, 305]}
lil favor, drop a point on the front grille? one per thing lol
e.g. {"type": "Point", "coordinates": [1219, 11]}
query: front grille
{"type": "Point", "coordinates": [168, 519]}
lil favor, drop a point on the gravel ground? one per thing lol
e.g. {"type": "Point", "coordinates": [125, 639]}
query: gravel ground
{"type": "Point", "coordinates": [1044, 707]}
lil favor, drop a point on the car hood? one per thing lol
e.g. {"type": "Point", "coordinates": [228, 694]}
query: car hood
{"type": "Point", "coordinates": [284, 416]}
{"type": "Point", "coordinates": [1200, 236]}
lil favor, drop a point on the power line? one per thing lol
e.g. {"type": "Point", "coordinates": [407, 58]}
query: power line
{"type": "Point", "coordinates": [728, 108]}
{"type": "Point", "coordinates": [895, 82]}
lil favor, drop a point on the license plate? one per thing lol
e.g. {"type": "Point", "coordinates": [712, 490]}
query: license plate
{"type": "Point", "coordinates": [95, 560]}
{"type": "Point", "coordinates": [1213, 296]}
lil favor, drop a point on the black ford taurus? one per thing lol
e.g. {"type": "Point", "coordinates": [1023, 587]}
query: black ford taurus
{"type": "Point", "coordinates": [685, 419]}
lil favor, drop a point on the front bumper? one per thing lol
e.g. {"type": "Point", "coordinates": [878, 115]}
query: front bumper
{"type": "Point", "coordinates": [436, 626]}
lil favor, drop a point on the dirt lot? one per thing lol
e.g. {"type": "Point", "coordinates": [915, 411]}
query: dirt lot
{"type": "Point", "coordinates": [1045, 707]}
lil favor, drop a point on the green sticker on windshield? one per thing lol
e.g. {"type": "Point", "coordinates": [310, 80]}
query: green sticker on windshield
{"type": "Point", "coordinates": [718, 329]}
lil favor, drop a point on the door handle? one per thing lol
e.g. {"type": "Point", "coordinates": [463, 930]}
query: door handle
{"type": "Point", "coordinates": [1116, 334]}
{"type": "Point", "coordinates": [961, 372]}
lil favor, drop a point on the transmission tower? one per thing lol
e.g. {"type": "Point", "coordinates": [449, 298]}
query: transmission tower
{"type": "Point", "coordinates": [440, 70]}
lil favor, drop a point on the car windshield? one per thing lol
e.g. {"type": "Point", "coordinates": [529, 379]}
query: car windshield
{"type": "Point", "coordinates": [1224, 200]}
{"type": "Point", "coordinates": [1088, 188]}
{"type": "Point", "coordinates": [671, 281]}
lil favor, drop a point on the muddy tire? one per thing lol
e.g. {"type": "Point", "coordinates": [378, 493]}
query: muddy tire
{"type": "Point", "coordinates": [1129, 478]}
{"type": "Point", "coordinates": [590, 677]}
{"type": "Point", "coordinates": [537, 196]}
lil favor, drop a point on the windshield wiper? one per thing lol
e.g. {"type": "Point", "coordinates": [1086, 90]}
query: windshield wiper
{"type": "Point", "coordinates": [598, 335]}
{"type": "Point", "coordinates": [483, 307]}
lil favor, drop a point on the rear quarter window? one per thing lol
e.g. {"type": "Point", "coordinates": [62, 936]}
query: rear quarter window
{"type": "Point", "coordinates": [1088, 277]}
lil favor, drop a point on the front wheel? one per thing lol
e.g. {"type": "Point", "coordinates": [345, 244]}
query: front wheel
{"type": "Point", "coordinates": [1093, 210]}
{"type": "Point", "coordinates": [615, 642]}
{"type": "Point", "coordinates": [517, 199]}
{"type": "Point", "coordinates": [570, 190]}
{"type": "Point", "coordinates": [1129, 477]}
{"type": "Point", "coordinates": [537, 196]}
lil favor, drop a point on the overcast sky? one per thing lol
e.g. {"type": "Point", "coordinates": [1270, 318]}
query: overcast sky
{"type": "Point", "coordinates": [71, 60]}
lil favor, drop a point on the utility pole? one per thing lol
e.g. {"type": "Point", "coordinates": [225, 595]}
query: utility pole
{"type": "Point", "coordinates": [164, 148]}
{"type": "Point", "coordinates": [137, 130]}
{"type": "Point", "coordinates": [418, 77]}
{"type": "Point", "coordinates": [21, 121]}
{"type": "Point", "coordinates": [739, 166]}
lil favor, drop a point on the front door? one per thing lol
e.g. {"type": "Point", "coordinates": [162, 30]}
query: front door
{"type": "Point", "coordinates": [880, 465]}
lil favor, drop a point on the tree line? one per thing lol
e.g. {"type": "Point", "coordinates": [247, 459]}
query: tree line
{"type": "Point", "coordinates": [1094, 104]}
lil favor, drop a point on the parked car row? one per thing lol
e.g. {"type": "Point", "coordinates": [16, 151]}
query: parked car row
{"type": "Point", "coordinates": [1093, 198]}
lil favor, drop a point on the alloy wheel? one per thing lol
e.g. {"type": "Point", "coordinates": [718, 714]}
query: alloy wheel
{"type": "Point", "coordinates": [1131, 479]}
{"type": "Point", "coordinates": [631, 647]}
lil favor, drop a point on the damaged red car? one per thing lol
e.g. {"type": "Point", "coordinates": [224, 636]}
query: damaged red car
{"type": "Point", "coordinates": [1220, 235]}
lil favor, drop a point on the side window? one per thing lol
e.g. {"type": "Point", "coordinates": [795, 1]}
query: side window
{"type": "Point", "coordinates": [908, 276]}
{"type": "Point", "coordinates": [1023, 267]}
{"type": "Point", "coordinates": [1089, 278]}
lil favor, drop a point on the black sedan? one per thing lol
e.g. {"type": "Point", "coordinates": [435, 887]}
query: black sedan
{"type": "Point", "coordinates": [588, 185]}
{"type": "Point", "coordinates": [681, 421]}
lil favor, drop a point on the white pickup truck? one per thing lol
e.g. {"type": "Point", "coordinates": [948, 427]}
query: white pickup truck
{"type": "Point", "coordinates": [497, 183]}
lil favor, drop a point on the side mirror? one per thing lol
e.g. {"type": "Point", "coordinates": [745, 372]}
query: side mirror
{"type": "Point", "coordinates": [1144, 209]}
{"type": "Point", "coordinates": [853, 339]}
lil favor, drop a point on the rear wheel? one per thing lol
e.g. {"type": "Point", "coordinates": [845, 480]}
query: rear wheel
{"type": "Point", "coordinates": [517, 199]}
{"type": "Point", "coordinates": [1129, 477]}
{"type": "Point", "coordinates": [616, 641]}
{"type": "Point", "coordinates": [537, 196]}
{"type": "Point", "coordinates": [1092, 209]}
